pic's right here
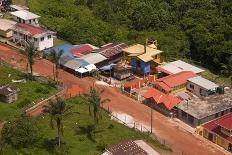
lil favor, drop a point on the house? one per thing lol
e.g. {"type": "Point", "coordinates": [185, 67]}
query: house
{"type": "Point", "coordinates": [196, 111]}
{"type": "Point", "coordinates": [6, 28]}
{"type": "Point", "coordinates": [160, 101]}
{"type": "Point", "coordinates": [143, 58]}
{"type": "Point", "coordinates": [8, 94]}
{"type": "Point", "coordinates": [18, 7]}
{"type": "Point", "coordinates": [26, 17]}
{"type": "Point", "coordinates": [174, 82]}
{"type": "Point", "coordinates": [121, 71]}
{"type": "Point", "coordinates": [218, 131]}
{"type": "Point", "coordinates": [176, 67]}
{"type": "Point", "coordinates": [130, 147]}
{"type": "Point", "coordinates": [113, 51]}
{"type": "Point", "coordinates": [39, 37]}
{"type": "Point", "coordinates": [201, 86]}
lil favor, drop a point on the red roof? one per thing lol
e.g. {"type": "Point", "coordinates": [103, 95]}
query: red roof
{"type": "Point", "coordinates": [31, 29]}
{"type": "Point", "coordinates": [159, 97]}
{"type": "Point", "coordinates": [174, 80]}
{"type": "Point", "coordinates": [215, 126]}
{"type": "Point", "coordinates": [81, 50]}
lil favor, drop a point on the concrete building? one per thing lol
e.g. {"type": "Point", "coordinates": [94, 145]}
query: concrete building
{"type": "Point", "coordinates": [201, 86]}
{"type": "Point", "coordinates": [196, 111]}
{"type": "Point", "coordinates": [6, 28]}
{"type": "Point", "coordinates": [39, 37]}
{"type": "Point", "coordinates": [26, 17]}
{"type": "Point", "coordinates": [218, 131]}
{"type": "Point", "coordinates": [8, 94]}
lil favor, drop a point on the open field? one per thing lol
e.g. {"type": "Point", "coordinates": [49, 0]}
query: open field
{"type": "Point", "coordinates": [79, 137]}
{"type": "Point", "coordinates": [29, 92]}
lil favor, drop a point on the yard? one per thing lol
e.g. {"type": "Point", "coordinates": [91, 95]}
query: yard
{"type": "Point", "coordinates": [79, 137]}
{"type": "Point", "coordinates": [29, 92]}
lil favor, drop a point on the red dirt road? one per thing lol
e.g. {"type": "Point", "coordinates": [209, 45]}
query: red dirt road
{"type": "Point", "coordinates": [180, 141]}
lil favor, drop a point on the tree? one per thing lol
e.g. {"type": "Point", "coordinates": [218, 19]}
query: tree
{"type": "Point", "coordinates": [30, 53]}
{"type": "Point", "coordinates": [57, 110]}
{"type": "Point", "coordinates": [95, 102]}
{"type": "Point", "coordinates": [21, 132]}
{"type": "Point", "coordinates": [55, 57]}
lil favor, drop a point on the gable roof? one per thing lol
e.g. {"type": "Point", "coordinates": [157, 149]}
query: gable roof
{"type": "Point", "coordinates": [204, 83]}
{"type": "Point", "coordinates": [24, 14]}
{"type": "Point", "coordinates": [79, 51]}
{"type": "Point", "coordinates": [159, 97]}
{"type": "Point", "coordinates": [30, 30]}
{"type": "Point", "coordinates": [178, 66]}
{"type": "Point", "coordinates": [174, 80]}
{"type": "Point", "coordinates": [138, 50]}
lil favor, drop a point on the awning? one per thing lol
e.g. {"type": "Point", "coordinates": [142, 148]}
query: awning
{"type": "Point", "coordinates": [81, 70]}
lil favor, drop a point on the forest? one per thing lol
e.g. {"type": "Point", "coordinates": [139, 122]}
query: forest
{"type": "Point", "coordinates": [199, 30]}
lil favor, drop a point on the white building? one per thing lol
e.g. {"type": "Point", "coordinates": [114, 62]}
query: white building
{"type": "Point", "coordinates": [26, 17]}
{"type": "Point", "coordinates": [39, 37]}
{"type": "Point", "coordinates": [6, 28]}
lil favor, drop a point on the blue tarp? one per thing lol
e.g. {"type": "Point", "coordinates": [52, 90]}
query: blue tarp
{"type": "Point", "coordinates": [145, 67]}
{"type": "Point", "coordinates": [134, 64]}
{"type": "Point", "coordinates": [107, 67]}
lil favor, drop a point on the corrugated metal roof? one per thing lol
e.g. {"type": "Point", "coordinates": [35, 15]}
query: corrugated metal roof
{"type": "Point", "coordinates": [6, 24]}
{"type": "Point", "coordinates": [72, 64]}
{"type": "Point", "coordinates": [204, 83]}
{"type": "Point", "coordinates": [179, 66]}
{"type": "Point", "coordinates": [93, 58]}
{"type": "Point", "coordinates": [24, 14]}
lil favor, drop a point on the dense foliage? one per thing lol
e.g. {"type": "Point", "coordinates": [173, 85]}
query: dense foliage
{"type": "Point", "coordinates": [197, 29]}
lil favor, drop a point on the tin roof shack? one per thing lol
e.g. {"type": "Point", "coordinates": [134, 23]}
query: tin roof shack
{"type": "Point", "coordinates": [201, 86]}
{"type": "Point", "coordinates": [176, 67]}
{"type": "Point", "coordinates": [173, 83]}
{"type": "Point", "coordinates": [121, 71]}
{"type": "Point", "coordinates": [143, 58]}
{"type": "Point", "coordinates": [129, 147]}
{"type": "Point", "coordinates": [95, 58]}
{"type": "Point", "coordinates": [6, 28]}
{"type": "Point", "coordinates": [196, 111]}
{"type": "Point", "coordinates": [8, 94]}
{"type": "Point", "coordinates": [161, 102]}
{"type": "Point", "coordinates": [219, 131]}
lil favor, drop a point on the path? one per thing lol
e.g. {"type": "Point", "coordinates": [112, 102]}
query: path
{"type": "Point", "coordinates": [181, 142]}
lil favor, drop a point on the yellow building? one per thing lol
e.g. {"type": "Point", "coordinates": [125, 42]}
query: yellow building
{"type": "Point", "coordinates": [218, 131]}
{"type": "Point", "coordinates": [143, 58]}
{"type": "Point", "coordinates": [6, 28]}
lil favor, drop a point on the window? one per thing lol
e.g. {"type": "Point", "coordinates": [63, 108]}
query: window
{"type": "Point", "coordinates": [35, 39]}
{"type": "Point", "coordinates": [24, 21]}
{"type": "Point", "coordinates": [33, 20]}
{"type": "Point", "coordinates": [42, 39]}
{"type": "Point", "coordinates": [49, 36]}
{"type": "Point", "coordinates": [191, 86]}
{"type": "Point", "coordinates": [30, 21]}
{"type": "Point", "coordinates": [15, 32]}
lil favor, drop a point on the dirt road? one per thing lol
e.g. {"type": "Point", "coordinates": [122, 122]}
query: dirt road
{"type": "Point", "coordinates": [180, 141]}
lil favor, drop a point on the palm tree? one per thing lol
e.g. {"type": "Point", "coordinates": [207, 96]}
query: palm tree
{"type": "Point", "coordinates": [57, 110]}
{"type": "Point", "coordinates": [30, 53]}
{"type": "Point", "coordinates": [95, 102]}
{"type": "Point", "coordinates": [55, 57]}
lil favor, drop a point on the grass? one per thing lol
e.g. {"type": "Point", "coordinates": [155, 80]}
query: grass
{"type": "Point", "coordinates": [29, 92]}
{"type": "Point", "coordinates": [78, 137]}
{"type": "Point", "coordinates": [58, 41]}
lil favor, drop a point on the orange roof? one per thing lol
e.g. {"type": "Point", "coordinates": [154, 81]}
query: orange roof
{"type": "Point", "coordinates": [171, 81]}
{"type": "Point", "coordinates": [169, 101]}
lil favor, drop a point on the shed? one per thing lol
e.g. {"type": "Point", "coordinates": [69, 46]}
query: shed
{"type": "Point", "coordinates": [6, 28]}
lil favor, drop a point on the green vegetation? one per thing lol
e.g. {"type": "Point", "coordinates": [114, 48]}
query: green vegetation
{"type": "Point", "coordinates": [196, 29]}
{"type": "Point", "coordinates": [29, 92]}
{"type": "Point", "coordinates": [79, 135]}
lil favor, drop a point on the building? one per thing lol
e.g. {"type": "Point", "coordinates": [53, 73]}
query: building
{"type": "Point", "coordinates": [161, 102]}
{"type": "Point", "coordinates": [219, 131]}
{"type": "Point", "coordinates": [81, 50]}
{"type": "Point", "coordinates": [113, 51]}
{"type": "Point", "coordinates": [26, 17]}
{"type": "Point", "coordinates": [18, 7]}
{"type": "Point", "coordinates": [95, 58]}
{"type": "Point", "coordinates": [201, 86]}
{"type": "Point", "coordinates": [174, 82]}
{"type": "Point", "coordinates": [40, 38]}
{"type": "Point", "coordinates": [6, 28]}
{"type": "Point", "coordinates": [176, 67]}
{"type": "Point", "coordinates": [8, 94]}
{"type": "Point", "coordinates": [121, 71]}
{"type": "Point", "coordinates": [143, 58]}
{"type": "Point", "coordinates": [129, 147]}
{"type": "Point", "coordinates": [196, 111]}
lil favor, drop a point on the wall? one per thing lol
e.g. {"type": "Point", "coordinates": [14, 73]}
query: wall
{"type": "Point", "coordinates": [6, 34]}
{"type": "Point", "coordinates": [34, 22]}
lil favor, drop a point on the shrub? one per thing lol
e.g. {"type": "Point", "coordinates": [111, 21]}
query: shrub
{"type": "Point", "coordinates": [24, 103]}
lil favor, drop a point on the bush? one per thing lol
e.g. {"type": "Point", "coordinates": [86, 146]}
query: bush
{"type": "Point", "coordinates": [24, 103]}
{"type": "Point", "coordinates": [42, 90]}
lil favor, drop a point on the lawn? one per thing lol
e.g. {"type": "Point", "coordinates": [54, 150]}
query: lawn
{"type": "Point", "coordinates": [29, 92]}
{"type": "Point", "coordinates": [77, 137]}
